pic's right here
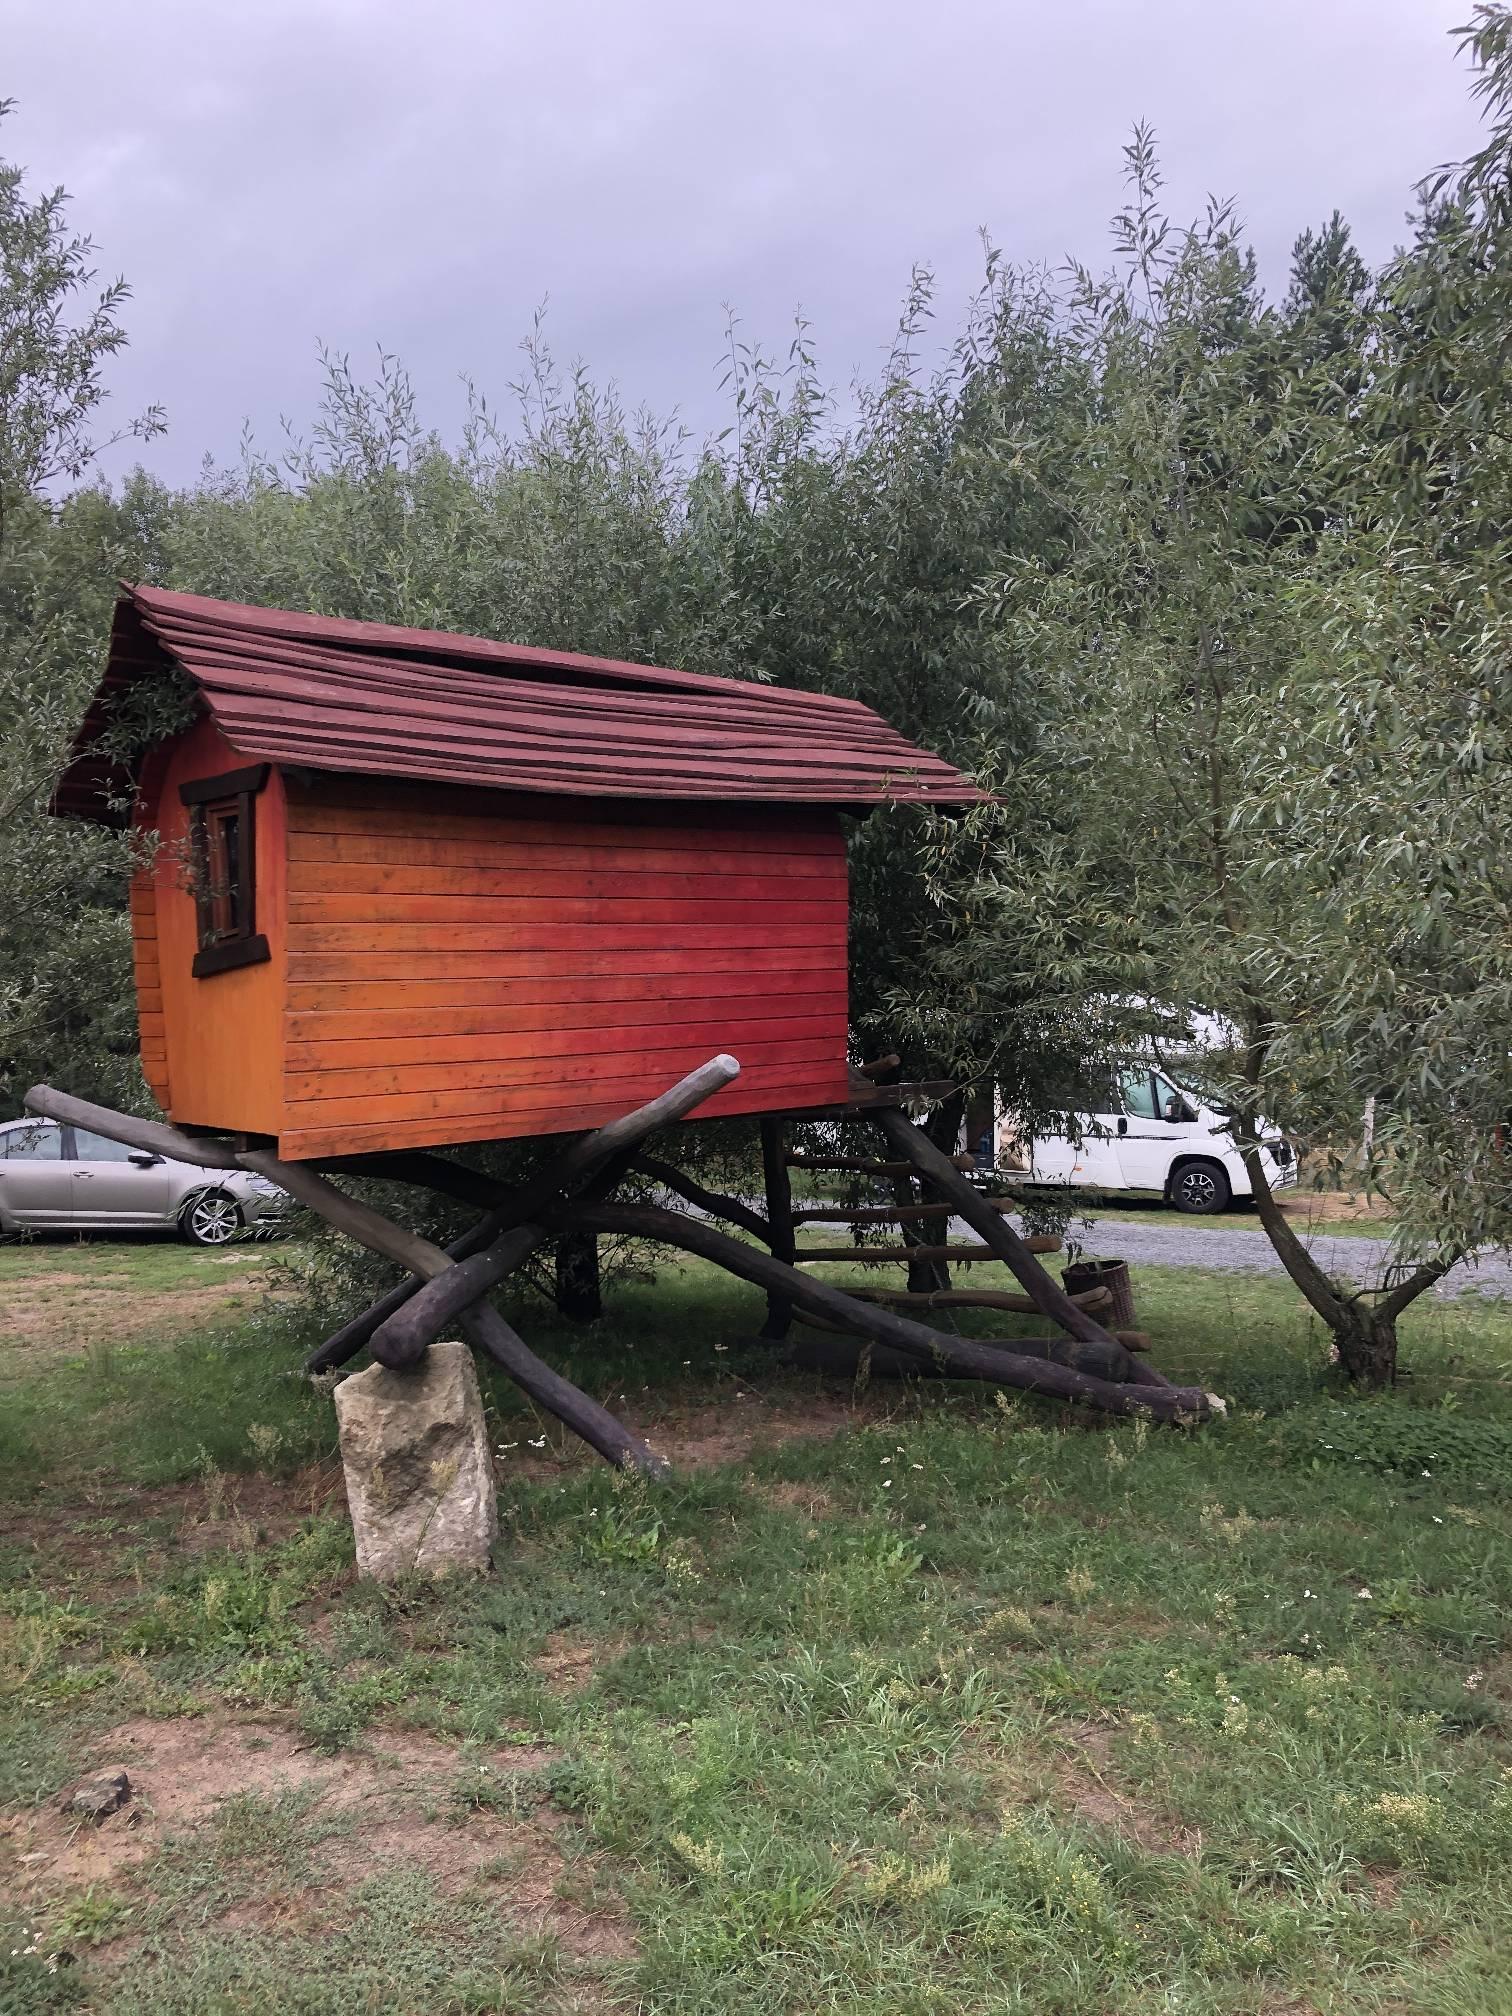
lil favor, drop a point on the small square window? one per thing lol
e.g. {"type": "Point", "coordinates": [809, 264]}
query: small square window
{"type": "Point", "coordinates": [223, 856]}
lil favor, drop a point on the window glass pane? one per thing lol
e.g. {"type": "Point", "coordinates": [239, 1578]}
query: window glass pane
{"type": "Point", "coordinates": [1138, 1099]}
{"type": "Point", "coordinates": [40, 1143]}
{"type": "Point", "coordinates": [97, 1148]}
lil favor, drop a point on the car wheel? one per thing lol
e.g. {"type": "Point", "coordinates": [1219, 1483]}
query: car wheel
{"type": "Point", "coordinates": [1200, 1189]}
{"type": "Point", "coordinates": [211, 1220]}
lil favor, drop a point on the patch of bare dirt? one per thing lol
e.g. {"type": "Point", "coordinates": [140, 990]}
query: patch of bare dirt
{"type": "Point", "coordinates": [1080, 1779]}
{"type": "Point", "coordinates": [710, 1434]}
{"type": "Point", "coordinates": [1334, 1207]}
{"type": "Point", "coordinates": [398, 1799]}
{"type": "Point", "coordinates": [82, 1540]}
{"type": "Point", "coordinates": [811, 1500]}
{"type": "Point", "coordinates": [54, 1316]}
{"type": "Point", "coordinates": [568, 1664]}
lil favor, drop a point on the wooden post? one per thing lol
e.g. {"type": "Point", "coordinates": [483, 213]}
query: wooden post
{"type": "Point", "coordinates": [578, 1295]}
{"type": "Point", "coordinates": [779, 1209]}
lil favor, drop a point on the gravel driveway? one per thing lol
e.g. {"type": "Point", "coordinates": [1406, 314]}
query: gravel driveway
{"type": "Point", "coordinates": [1244, 1249]}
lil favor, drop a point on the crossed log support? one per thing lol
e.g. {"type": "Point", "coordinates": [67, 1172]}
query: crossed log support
{"type": "Point", "coordinates": [573, 1192]}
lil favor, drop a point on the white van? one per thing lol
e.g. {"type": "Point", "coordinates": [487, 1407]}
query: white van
{"type": "Point", "coordinates": [1150, 1135]}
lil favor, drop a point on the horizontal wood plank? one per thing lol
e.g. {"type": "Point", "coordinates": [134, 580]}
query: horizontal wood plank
{"type": "Point", "coordinates": [305, 1137]}
{"type": "Point", "coordinates": [520, 879]}
{"type": "Point", "coordinates": [385, 1003]}
{"type": "Point", "coordinates": [547, 1068]}
{"type": "Point", "coordinates": [535, 935]}
{"type": "Point", "coordinates": [370, 1035]}
{"type": "Point", "coordinates": [312, 855]}
{"type": "Point", "coordinates": [488, 968]}
{"type": "Point", "coordinates": [385, 810]}
{"type": "Point", "coordinates": [594, 914]}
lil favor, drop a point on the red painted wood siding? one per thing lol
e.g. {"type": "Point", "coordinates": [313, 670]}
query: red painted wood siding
{"type": "Point", "coordinates": [465, 967]}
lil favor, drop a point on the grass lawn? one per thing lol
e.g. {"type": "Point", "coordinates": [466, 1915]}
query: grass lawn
{"type": "Point", "coordinates": [904, 1700]}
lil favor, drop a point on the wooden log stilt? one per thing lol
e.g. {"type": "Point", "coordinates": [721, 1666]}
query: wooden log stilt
{"type": "Point", "coordinates": [714, 1202]}
{"type": "Point", "coordinates": [844, 1356]}
{"type": "Point", "coordinates": [483, 1326]}
{"type": "Point", "coordinates": [1007, 1245]}
{"type": "Point", "coordinates": [402, 1338]}
{"type": "Point", "coordinates": [1099, 1361]}
{"type": "Point", "coordinates": [887, 1214]}
{"type": "Point", "coordinates": [395, 1330]}
{"type": "Point", "coordinates": [882, 1256]}
{"type": "Point", "coordinates": [780, 1237]}
{"type": "Point", "coordinates": [972, 1298]}
{"type": "Point", "coordinates": [998, 1362]}
{"type": "Point", "coordinates": [344, 1344]}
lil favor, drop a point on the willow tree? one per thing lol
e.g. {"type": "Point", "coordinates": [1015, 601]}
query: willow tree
{"type": "Point", "coordinates": [1264, 788]}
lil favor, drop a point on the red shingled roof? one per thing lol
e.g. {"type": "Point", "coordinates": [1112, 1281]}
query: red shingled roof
{"type": "Point", "coordinates": [323, 693]}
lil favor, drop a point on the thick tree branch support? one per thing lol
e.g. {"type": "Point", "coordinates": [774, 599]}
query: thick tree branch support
{"type": "Point", "coordinates": [999, 1362]}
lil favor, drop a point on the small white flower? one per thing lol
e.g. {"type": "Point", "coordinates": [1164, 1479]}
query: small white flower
{"type": "Point", "coordinates": [887, 1483]}
{"type": "Point", "coordinates": [887, 1459]}
{"type": "Point", "coordinates": [1363, 1596]}
{"type": "Point", "coordinates": [918, 1466]}
{"type": "Point", "coordinates": [538, 1444]}
{"type": "Point", "coordinates": [1427, 1473]}
{"type": "Point", "coordinates": [1436, 1520]}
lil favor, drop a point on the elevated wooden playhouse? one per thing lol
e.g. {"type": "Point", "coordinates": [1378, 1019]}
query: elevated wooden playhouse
{"type": "Point", "coordinates": [413, 890]}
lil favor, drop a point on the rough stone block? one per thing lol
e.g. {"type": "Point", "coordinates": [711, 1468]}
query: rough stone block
{"type": "Point", "coordinates": [419, 1480]}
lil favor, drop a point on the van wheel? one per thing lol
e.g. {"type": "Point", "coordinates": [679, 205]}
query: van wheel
{"type": "Point", "coordinates": [1201, 1189]}
{"type": "Point", "coordinates": [211, 1220]}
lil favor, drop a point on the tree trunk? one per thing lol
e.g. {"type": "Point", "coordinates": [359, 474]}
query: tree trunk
{"type": "Point", "coordinates": [577, 1278]}
{"type": "Point", "coordinates": [1367, 1339]}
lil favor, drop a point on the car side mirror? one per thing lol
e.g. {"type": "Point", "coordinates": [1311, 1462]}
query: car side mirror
{"type": "Point", "coordinates": [145, 1159]}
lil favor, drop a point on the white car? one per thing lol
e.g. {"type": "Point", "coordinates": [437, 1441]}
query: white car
{"type": "Point", "coordinates": [1157, 1137]}
{"type": "Point", "coordinates": [64, 1179]}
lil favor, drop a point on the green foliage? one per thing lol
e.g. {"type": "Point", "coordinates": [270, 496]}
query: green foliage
{"type": "Point", "coordinates": [1413, 1443]}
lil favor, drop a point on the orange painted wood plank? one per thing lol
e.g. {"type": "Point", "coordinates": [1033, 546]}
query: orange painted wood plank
{"type": "Point", "coordinates": [374, 1089]}
{"type": "Point", "coordinates": [531, 1109]}
{"type": "Point", "coordinates": [389, 1000]}
{"type": "Point", "coordinates": [489, 967]}
{"type": "Point", "coordinates": [537, 936]}
{"type": "Point", "coordinates": [587, 1035]}
{"type": "Point", "coordinates": [594, 913]}
{"type": "Point", "coordinates": [567, 1117]}
{"type": "Point", "coordinates": [518, 879]}
{"type": "Point", "coordinates": [382, 1029]}
{"type": "Point", "coordinates": [568, 851]}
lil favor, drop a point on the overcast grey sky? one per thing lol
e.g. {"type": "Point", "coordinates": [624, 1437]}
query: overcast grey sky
{"type": "Point", "coordinates": [273, 173]}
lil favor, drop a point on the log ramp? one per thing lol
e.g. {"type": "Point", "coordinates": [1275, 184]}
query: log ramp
{"type": "Point", "coordinates": [574, 1192]}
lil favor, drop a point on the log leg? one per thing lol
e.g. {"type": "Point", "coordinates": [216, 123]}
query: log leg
{"type": "Point", "coordinates": [484, 1327]}
{"type": "Point", "coordinates": [1047, 1294]}
{"type": "Point", "coordinates": [344, 1344]}
{"type": "Point", "coordinates": [996, 1361]}
{"type": "Point", "coordinates": [578, 1294]}
{"type": "Point", "coordinates": [779, 1211]}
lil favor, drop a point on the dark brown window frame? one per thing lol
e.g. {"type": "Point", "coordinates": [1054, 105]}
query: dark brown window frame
{"type": "Point", "coordinates": [238, 942]}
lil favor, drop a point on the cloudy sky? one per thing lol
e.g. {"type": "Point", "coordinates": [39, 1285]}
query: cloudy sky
{"type": "Point", "coordinates": [271, 174]}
